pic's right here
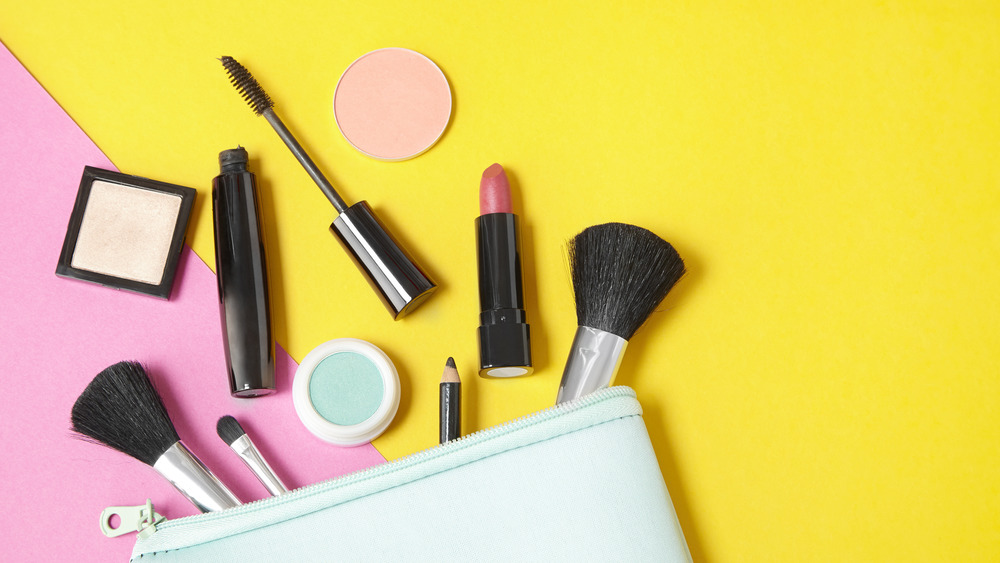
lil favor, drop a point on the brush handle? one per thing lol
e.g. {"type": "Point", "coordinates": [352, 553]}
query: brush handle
{"type": "Point", "coordinates": [186, 472]}
{"type": "Point", "coordinates": [250, 455]}
{"type": "Point", "coordinates": [593, 363]}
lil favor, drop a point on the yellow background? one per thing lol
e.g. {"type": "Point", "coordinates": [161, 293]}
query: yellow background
{"type": "Point", "coordinates": [822, 385]}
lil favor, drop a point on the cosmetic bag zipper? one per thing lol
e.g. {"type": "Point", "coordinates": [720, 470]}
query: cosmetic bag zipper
{"type": "Point", "coordinates": [590, 410]}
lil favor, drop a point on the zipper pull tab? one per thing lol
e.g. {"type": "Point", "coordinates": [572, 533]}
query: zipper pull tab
{"type": "Point", "coordinates": [142, 519]}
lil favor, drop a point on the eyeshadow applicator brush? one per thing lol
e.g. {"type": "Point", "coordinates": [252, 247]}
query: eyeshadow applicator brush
{"type": "Point", "coordinates": [620, 274]}
{"type": "Point", "coordinates": [232, 433]}
{"type": "Point", "coordinates": [400, 283]}
{"type": "Point", "coordinates": [121, 410]}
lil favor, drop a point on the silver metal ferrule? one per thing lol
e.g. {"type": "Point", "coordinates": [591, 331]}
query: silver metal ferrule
{"type": "Point", "coordinates": [593, 362]}
{"type": "Point", "coordinates": [248, 452]}
{"type": "Point", "coordinates": [186, 472]}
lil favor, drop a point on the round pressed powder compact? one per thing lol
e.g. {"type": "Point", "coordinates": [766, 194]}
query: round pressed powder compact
{"type": "Point", "coordinates": [346, 391]}
{"type": "Point", "coordinates": [392, 104]}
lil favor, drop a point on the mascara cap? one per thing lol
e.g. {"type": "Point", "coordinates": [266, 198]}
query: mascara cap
{"type": "Point", "coordinates": [397, 280]}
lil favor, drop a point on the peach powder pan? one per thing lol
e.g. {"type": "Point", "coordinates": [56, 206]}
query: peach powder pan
{"type": "Point", "coordinates": [392, 104]}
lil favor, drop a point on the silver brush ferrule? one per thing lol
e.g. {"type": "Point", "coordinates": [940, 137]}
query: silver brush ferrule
{"type": "Point", "coordinates": [186, 472]}
{"type": "Point", "coordinates": [593, 362]}
{"type": "Point", "coordinates": [248, 452]}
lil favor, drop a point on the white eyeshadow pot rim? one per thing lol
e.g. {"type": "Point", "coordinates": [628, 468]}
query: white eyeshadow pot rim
{"type": "Point", "coordinates": [427, 147]}
{"type": "Point", "coordinates": [153, 251]}
{"type": "Point", "coordinates": [354, 434]}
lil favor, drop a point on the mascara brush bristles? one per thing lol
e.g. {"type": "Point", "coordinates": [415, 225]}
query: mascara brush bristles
{"type": "Point", "coordinates": [247, 86]}
{"type": "Point", "coordinates": [620, 274]}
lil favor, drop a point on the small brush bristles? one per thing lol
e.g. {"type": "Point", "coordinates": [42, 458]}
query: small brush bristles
{"type": "Point", "coordinates": [229, 429]}
{"type": "Point", "coordinates": [621, 273]}
{"type": "Point", "coordinates": [247, 86]}
{"type": "Point", "coordinates": [121, 409]}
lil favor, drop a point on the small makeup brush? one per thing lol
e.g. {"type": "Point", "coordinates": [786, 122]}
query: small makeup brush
{"type": "Point", "coordinates": [233, 434]}
{"type": "Point", "coordinates": [620, 273]}
{"type": "Point", "coordinates": [121, 409]}
{"type": "Point", "coordinates": [400, 283]}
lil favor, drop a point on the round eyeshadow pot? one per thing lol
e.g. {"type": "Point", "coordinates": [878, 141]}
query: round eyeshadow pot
{"type": "Point", "coordinates": [346, 391]}
{"type": "Point", "coordinates": [392, 104]}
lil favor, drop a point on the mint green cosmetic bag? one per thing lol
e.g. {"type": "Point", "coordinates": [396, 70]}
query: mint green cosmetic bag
{"type": "Point", "coordinates": [575, 482]}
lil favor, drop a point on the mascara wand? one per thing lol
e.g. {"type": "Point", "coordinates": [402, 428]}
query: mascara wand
{"type": "Point", "coordinates": [620, 273]}
{"type": "Point", "coordinates": [121, 410]}
{"type": "Point", "coordinates": [397, 279]}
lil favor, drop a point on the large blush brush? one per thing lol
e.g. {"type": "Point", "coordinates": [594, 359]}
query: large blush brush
{"type": "Point", "coordinates": [620, 273]}
{"type": "Point", "coordinates": [400, 283]}
{"type": "Point", "coordinates": [121, 409]}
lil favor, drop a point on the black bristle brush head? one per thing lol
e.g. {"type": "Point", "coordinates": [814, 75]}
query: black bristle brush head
{"type": "Point", "coordinates": [621, 273]}
{"type": "Point", "coordinates": [247, 86]}
{"type": "Point", "coordinates": [121, 409]}
{"type": "Point", "coordinates": [229, 429]}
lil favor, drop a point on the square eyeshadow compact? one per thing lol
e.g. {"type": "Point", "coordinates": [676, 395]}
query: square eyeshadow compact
{"type": "Point", "coordinates": [126, 232]}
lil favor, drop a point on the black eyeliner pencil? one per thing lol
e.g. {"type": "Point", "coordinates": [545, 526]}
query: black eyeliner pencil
{"type": "Point", "coordinates": [451, 402]}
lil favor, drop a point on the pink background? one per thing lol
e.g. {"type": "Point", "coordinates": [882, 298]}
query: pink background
{"type": "Point", "coordinates": [58, 333]}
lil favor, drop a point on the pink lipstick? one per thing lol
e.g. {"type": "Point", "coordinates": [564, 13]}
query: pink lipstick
{"type": "Point", "coordinates": [494, 191]}
{"type": "Point", "coordinates": [504, 343]}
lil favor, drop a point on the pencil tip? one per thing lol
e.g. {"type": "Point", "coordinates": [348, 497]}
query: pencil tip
{"type": "Point", "coordinates": [450, 374]}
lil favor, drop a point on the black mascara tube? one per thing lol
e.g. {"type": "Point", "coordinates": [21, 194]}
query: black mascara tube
{"type": "Point", "coordinates": [244, 303]}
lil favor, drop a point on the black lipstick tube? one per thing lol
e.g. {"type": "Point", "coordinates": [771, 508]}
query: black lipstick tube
{"type": "Point", "coordinates": [241, 267]}
{"type": "Point", "coordinates": [504, 345]}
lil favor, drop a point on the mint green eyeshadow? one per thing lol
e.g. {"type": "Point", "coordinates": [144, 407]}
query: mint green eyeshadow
{"type": "Point", "coordinates": [346, 388]}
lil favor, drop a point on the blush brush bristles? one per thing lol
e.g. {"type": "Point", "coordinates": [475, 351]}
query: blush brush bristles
{"type": "Point", "coordinates": [620, 273]}
{"type": "Point", "coordinates": [232, 433]}
{"type": "Point", "coordinates": [121, 409]}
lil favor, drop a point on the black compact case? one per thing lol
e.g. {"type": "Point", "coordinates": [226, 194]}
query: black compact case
{"type": "Point", "coordinates": [126, 222]}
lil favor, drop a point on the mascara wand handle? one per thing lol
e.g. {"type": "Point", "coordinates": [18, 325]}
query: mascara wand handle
{"type": "Point", "coordinates": [328, 190]}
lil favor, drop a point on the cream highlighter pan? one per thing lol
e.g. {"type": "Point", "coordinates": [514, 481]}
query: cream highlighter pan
{"type": "Point", "coordinates": [392, 104]}
{"type": "Point", "coordinates": [126, 232]}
